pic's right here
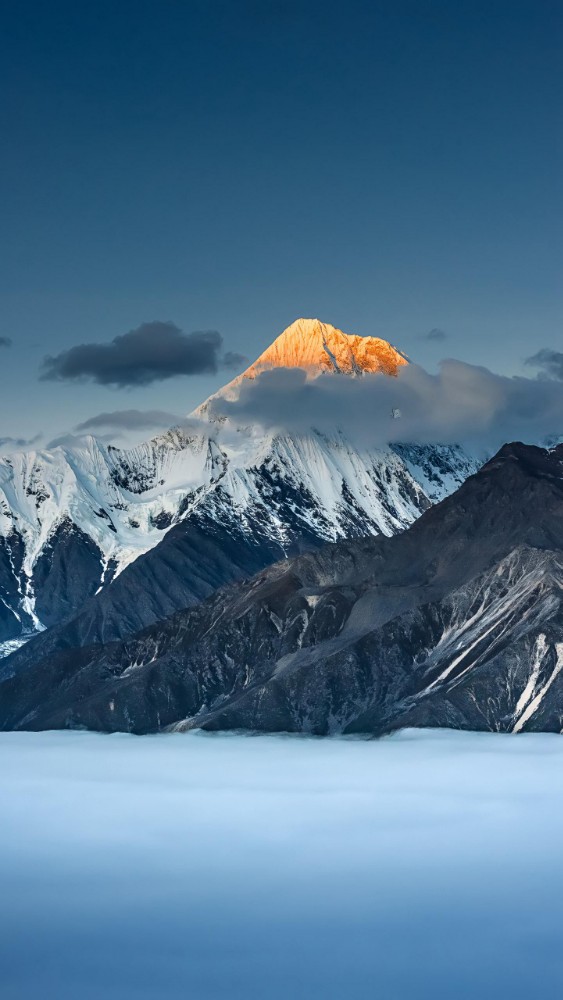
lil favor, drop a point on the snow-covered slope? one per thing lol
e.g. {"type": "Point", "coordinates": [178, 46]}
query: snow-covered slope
{"type": "Point", "coordinates": [72, 518]}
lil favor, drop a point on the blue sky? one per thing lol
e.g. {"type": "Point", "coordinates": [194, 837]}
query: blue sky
{"type": "Point", "coordinates": [389, 167]}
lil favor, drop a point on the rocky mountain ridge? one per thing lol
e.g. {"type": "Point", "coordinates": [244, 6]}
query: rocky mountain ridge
{"type": "Point", "coordinates": [457, 621]}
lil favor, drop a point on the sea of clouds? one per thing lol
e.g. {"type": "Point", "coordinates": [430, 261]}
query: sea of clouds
{"type": "Point", "coordinates": [425, 865]}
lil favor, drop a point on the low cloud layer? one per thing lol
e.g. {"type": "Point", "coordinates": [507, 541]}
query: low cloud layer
{"type": "Point", "coordinates": [130, 420]}
{"type": "Point", "coordinates": [548, 362]}
{"type": "Point", "coordinates": [462, 403]}
{"type": "Point", "coordinates": [131, 425]}
{"type": "Point", "coordinates": [151, 353]}
{"type": "Point", "coordinates": [5, 342]}
{"type": "Point", "coordinates": [70, 440]}
{"type": "Point", "coordinates": [8, 444]}
{"type": "Point", "coordinates": [273, 867]}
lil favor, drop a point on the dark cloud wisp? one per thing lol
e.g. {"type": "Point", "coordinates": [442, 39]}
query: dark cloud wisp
{"type": "Point", "coordinates": [5, 342]}
{"type": "Point", "coordinates": [548, 362]}
{"type": "Point", "coordinates": [151, 353]}
{"type": "Point", "coordinates": [435, 335]}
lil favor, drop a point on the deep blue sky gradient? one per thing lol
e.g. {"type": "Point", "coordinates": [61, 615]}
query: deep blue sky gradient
{"type": "Point", "coordinates": [390, 167]}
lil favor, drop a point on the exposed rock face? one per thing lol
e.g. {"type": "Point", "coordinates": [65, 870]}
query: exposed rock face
{"type": "Point", "coordinates": [72, 519]}
{"type": "Point", "coordinates": [456, 622]}
{"type": "Point", "coordinates": [319, 347]}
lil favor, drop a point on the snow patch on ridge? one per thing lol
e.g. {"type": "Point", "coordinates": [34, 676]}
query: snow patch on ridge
{"type": "Point", "coordinates": [538, 695]}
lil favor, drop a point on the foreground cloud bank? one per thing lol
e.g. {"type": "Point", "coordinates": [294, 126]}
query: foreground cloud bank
{"type": "Point", "coordinates": [425, 866]}
{"type": "Point", "coordinates": [462, 403]}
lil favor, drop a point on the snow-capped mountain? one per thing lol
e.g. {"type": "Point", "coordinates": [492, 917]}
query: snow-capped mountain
{"type": "Point", "coordinates": [457, 622]}
{"type": "Point", "coordinates": [73, 519]}
{"type": "Point", "coordinates": [319, 348]}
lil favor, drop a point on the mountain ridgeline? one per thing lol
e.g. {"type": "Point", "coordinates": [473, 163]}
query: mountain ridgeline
{"type": "Point", "coordinates": [457, 621]}
{"type": "Point", "coordinates": [160, 526]}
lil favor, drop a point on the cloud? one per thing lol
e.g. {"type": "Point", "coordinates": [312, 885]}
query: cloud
{"type": "Point", "coordinates": [69, 440]}
{"type": "Point", "coordinates": [233, 360]}
{"type": "Point", "coordinates": [322, 862]}
{"type": "Point", "coordinates": [8, 444]}
{"type": "Point", "coordinates": [461, 403]}
{"type": "Point", "coordinates": [118, 423]}
{"type": "Point", "coordinates": [435, 335]}
{"type": "Point", "coordinates": [550, 363]}
{"type": "Point", "coordinates": [130, 420]}
{"type": "Point", "coordinates": [151, 353]}
{"type": "Point", "coordinates": [5, 342]}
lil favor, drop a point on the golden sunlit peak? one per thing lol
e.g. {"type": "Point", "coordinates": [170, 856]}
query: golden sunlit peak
{"type": "Point", "coordinates": [319, 347]}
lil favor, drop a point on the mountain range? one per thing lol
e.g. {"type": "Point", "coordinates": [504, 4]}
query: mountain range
{"type": "Point", "coordinates": [226, 577]}
{"type": "Point", "coordinates": [457, 621]}
{"type": "Point", "coordinates": [172, 519]}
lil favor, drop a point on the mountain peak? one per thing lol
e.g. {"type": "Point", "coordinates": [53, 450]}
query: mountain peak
{"type": "Point", "coordinates": [319, 347]}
